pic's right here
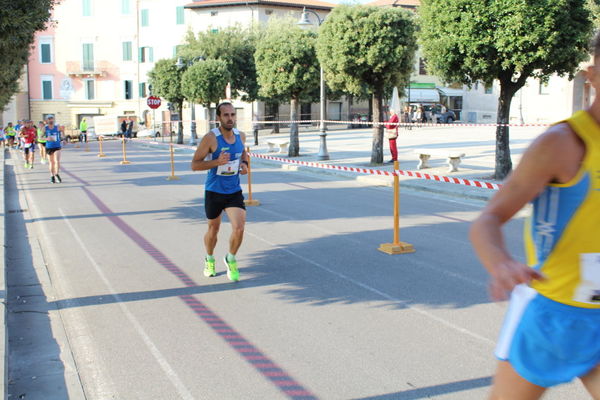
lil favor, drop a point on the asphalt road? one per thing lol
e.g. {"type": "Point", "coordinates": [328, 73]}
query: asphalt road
{"type": "Point", "coordinates": [112, 262]}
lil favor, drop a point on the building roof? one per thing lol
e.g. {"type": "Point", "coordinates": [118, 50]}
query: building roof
{"type": "Point", "coordinates": [315, 4]}
{"type": "Point", "coordinates": [395, 3]}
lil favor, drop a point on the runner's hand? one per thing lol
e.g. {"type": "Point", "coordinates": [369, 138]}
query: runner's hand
{"type": "Point", "coordinates": [223, 158]}
{"type": "Point", "coordinates": [507, 275]}
{"type": "Point", "coordinates": [243, 168]}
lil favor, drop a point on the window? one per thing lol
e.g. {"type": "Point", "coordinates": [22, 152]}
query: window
{"type": "Point", "coordinates": [142, 89]}
{"type": "Point", "coordinates": [488, 89]}
{"type": "Point", "coordinates": [87, 8]}
{"type": "Point", "coordinates": [125, 7]}
{"type": "Point", "coordinates": [127, 51]}
{"type": "Point", "coordinates": [544, 88]}
{"type": "Point", "coordinates": [88, 57]}
{"type": "Point", "coordinates": [46, 51]}
{"type": "Point", "coordinates": [214, 13]}
{"type": "Point", "coordinates": [47, 87]}
{"type": "Point", "coordinates": [146, 54]}
{"type": "Point", "coordinates": [145, 17]}
{"type": "Point", "coordinates": [176, 50]}
{"type": "Point", "coordinates": [179, 19]}
{"type": "Point", "coordinates": [89, 89]}
{"type": "Point", "coordinates": [128, 89]}
{"type": "Point", "coordinates": [422, 67]}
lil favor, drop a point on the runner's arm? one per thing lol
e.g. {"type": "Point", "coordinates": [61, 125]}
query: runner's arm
{"type": "Point", "coordinates": [207, 145]}
{"type": "Point", "coordinates": [541, 164]}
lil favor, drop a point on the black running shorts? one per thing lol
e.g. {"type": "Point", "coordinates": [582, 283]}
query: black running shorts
{"type": "Point", "coordinates": [215, 203]}
{"type": "Point", "coordinates": [52, 150]}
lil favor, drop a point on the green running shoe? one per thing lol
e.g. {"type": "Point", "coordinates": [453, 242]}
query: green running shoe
{"type": "Point", "coordinates": [232, 270]}
{"type": "Point", "coordinates": [209, 267]}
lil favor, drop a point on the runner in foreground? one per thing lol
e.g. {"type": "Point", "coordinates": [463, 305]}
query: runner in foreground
{"type": "Point", "coordinates": [222, 188]}
{"type": "Point", "coordinates": [551, 332]}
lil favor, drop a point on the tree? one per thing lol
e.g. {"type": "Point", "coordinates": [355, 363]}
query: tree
{"type": "Point", "coordinates": [204, 82]}
{"type": "Point", "coordinates": [165, 79]}
{"type": "Point", "coordinates": [508, 40]}
{"type": "Point", "coordinates": [20, 20]}
{"type": "Point", "coordinates": [370, 49]}
{"type": "Point", "coordinates": [236, 47]}
{"type": "Point", "coordinates": [287, 69]}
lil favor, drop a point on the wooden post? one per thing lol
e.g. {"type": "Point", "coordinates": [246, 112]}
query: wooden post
{"type": "Point", "coordinates": [101, 153]}
{"type": "Point", "coordinates": [250, 201]}
{"type": "Point", "coordinates": [397, 247]}
{"type": "Point", "coordinates": [172, 177]}
{"type": "Point", "coordinates": [124, 153]}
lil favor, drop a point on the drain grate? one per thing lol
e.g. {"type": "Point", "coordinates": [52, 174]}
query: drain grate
{"type": "Point", "coordinates": [17, 211]}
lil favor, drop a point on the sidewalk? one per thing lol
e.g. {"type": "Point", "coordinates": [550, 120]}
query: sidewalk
{"type": "Point", "coordinates": [352, 148]}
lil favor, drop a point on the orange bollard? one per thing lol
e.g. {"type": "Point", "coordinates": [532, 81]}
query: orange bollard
{"type": "Point", "coordinates": [101, 153]}
{"type": "Point", "coordinates": [124, 154]}
{"type": "Point", "coordinates": [397, 247]}
{"type": "Point", "coordinates": [172, 177]}
{"type": "Point", "coordinates": [250, 201]}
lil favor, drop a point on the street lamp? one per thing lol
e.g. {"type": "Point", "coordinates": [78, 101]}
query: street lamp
{"type": "Point", "coordinates": [180, 65]}
{"type": "Point", "coordinates": [323, 154]}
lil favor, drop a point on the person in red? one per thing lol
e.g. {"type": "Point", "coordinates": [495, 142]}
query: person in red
{"type": "Point", "coordinates": [391, 133]}
{"type": "Point", "coordinates": [28, 134]}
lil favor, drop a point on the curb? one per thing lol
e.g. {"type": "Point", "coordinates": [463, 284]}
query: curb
{"type": "Point", "coordinates": [3, 333]}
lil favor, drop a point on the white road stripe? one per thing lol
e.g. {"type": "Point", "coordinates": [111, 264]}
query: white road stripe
{"type": "Point", "coordinates": [183, 392]}
{"type": "Point", "coordinates": [377, 291]}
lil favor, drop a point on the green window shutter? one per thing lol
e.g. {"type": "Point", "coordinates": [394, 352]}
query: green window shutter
{"type": "Point", "coordinates": [88, 57]}
{"type": "Point", "coordinates": [141, 54]}
{"type": "Point", "coordinates": [47, 90]}
{"type": "Point", "coordinates": [125, 9]}
{"type": "Point", "coordinates": [150, 54]}
{"type": "Point", "coordinates": [46, 56]}
{"type": "Point", "coordinates": [87, 8]}
{"type": "Point", "coordinates": [142, 87]}
{"type": "Point", "coordinates": [180, 15]}
{"type": "Point", "coordinates": [128, 86]}
{"type": "Point", "coordinates": [127, 56]}
{"type": "Point", "coordinates": [145, 17]}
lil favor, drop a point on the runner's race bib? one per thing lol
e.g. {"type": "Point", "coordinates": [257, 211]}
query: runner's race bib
{"type": "Point", "coordinates": [229, 169]}
{"type": "Point", "coordinates": [588, 290]}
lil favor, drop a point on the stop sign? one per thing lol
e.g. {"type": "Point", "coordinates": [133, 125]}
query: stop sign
{"type": "Point", "coordinates": [153, 102]}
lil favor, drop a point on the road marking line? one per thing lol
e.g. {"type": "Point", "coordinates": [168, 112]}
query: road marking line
{"type": "Point", "coordinates": [182, 390]}
{"type": "Point", "coordinates": [378, 292]}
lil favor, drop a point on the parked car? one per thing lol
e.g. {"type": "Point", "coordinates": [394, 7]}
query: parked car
{"type": "Point", "coordinates": [445, 118]}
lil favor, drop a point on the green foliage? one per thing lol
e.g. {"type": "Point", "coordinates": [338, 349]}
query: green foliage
{"type": "Point", "coordinates": [165, 79]}
{"type": "Point", "coordinates": [236, 47]}
{"type": "Point", "coordinates": [286, 62]}
{"type": "Point", "coordinates": [204, 82]}
{"type": "Point", "coordinates": [19, 20]}
{"type": "Point", "coordinates": [363, 48]}
{"type": "Point", "coordinates": [366, 51]}
{"type": "Point", "coordinates": [594, 7]}
{"type": "Point", "coordinates": [510, 40]}
{"type": "Point", "coordinates": [470, 40]}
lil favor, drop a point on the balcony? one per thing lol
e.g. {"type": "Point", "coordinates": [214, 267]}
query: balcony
{"type": "Point", "coordinates": [76, 69]}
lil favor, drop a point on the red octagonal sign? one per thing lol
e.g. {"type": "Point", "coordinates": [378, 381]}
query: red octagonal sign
{"type": "Point", "coordinates": [153, 102]}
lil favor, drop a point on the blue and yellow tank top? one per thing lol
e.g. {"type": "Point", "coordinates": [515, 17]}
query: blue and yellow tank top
{"type": "Point", "coordinates": [562, 235]}
{"type": "Point", "coordinates": [226, 178]}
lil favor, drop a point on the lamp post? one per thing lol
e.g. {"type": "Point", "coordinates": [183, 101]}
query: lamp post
{"type": "Point", "coordinates": [323, 154]}
{"type": "Point", "coordinates": [181, 64]}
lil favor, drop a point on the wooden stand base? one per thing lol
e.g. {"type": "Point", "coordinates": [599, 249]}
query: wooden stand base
{"type": "Point", "coordinates": [252, 202]}
{"type": "Point", "coordinates": [173, 178]}
{"type": "Point", "coordinates": [125, 162]}
{"type": "Point", "coordinates": [396, 248]}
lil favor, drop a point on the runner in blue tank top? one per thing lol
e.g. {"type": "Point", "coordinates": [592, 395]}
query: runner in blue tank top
{"type": "Point", "coordinates": [228, 160]}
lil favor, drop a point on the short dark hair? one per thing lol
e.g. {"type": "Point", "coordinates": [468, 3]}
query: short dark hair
{"type": "Point", "coordinates": [225, 103]}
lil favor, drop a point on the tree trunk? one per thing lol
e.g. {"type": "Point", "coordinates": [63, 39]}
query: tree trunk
{"type": "Point", "coordinates": [377, 151]}
{"type": "Point", "coordinates": [294, 149]}
{"type": "Point", "coordinates": [503, 160]}
{"type": "Point", "coordinates": [180, 123]}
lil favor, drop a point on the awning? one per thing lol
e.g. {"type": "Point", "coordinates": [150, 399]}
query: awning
{"type": "Point", "coordinates": [448, 92]}
{"type": "Point", "coordinates": [422, 96]}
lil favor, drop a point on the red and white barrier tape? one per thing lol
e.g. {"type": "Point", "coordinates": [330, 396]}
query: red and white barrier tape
{"type": "Point", "coordinates": [399, 124]}
{"type": "Point", "coordinates": [457, 181]}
